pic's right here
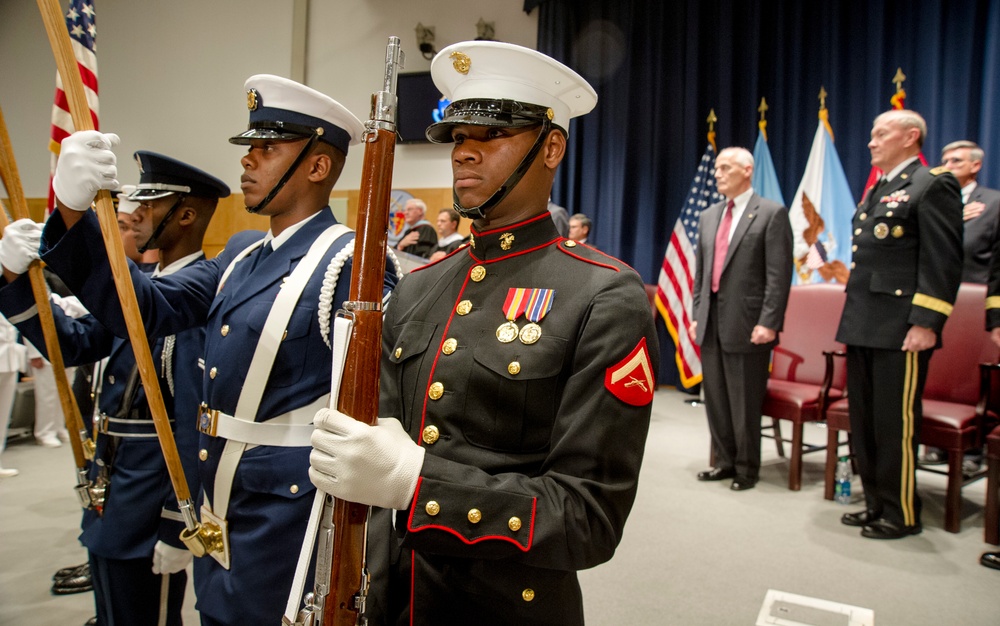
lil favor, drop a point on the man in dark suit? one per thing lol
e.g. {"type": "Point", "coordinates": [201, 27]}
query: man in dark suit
{"type": "Point", "coordinates": [744, 272]}
{"type": "Point", "coordinates": [981, 215]}
{"type": "Point", "coordinates": [904, 279]}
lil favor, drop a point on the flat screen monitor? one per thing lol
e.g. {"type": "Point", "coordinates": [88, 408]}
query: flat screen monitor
{"type": "Point", "coordinates": [418, 101]}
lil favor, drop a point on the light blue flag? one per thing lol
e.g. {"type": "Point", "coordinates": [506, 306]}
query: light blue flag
{"type": "Point", "coordinates": [765, 178]}
{"type": "Point", "coordinates": [821, 214]}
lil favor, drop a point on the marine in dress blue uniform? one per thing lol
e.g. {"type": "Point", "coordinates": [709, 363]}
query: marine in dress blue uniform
{"type": "Point", "coordinates": [905, 273]}
{"type": "Point", "coordinates": [297, 141]}
{"type": "Point", "coordinates": [140, 508]}
{"type": "Point", "coordinates": [521, 366]}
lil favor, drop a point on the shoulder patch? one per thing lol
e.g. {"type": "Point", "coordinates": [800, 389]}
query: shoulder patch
{"type": "Point", "coordinates": [939, 170]}
{"type": "Point", "coordinates": [631, 379]}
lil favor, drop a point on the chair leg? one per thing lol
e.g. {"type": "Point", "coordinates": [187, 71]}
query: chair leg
{"type": "Point", "coordinates": [832, 444]}
{"type": "Point", "coordinates": [992, 521]}
{"type": "Point", "coordinates": [776, 425]}
{"type": "Point", "coordinates": [795, 471]}
{"type": "Point", "coordinates": [953, 499]}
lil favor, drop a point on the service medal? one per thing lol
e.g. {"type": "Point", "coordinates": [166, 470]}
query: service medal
{"type": "Point", "coordinates": [507, 332]}
{"type": "Point", "coordinates": [539, 304]}
{"type": "Point", "coordinates": [897, 231]}
{"type": "Point", "coordinates": [881, 231]}
{"type": "Point", "coordinates": [530, 333]}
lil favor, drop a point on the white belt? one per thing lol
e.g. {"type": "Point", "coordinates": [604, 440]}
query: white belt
{"type": "Point", "coordinates": [292, 429]}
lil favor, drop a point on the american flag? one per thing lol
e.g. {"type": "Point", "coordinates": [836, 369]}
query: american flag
{"type": "Point", "coordinates": [83, 34]}
{"type": "Point", "coordinates": [673, 290]}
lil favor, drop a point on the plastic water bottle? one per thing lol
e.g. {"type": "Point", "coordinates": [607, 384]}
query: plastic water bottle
{"type": "Point", "coordinates": [842, 488]}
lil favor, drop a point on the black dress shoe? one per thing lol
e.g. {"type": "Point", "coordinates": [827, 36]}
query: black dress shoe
{"type": "Point", "coordinates": [861, 518]}
{"type": "Point", "coordinates": [990, 559]}
{"type": "Point", "coordinates": [72, 584]}
{"type": "Point", "coordinates": [91, 622]}
{"type": "Point", "coordinates": [742, 483]}
{"type": "Point", "coordinates": [884, 529]}
{"type": "Point", "coordinates": [76, 570]}
{"type": "Point", "coordinates": [934, 456]}
{"type": "Point", "coordinates": [717, 473]}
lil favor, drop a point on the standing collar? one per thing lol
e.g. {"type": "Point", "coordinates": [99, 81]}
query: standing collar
{"type": "Point", "coordinates": [891, 175]}
{"type": "Point", "coordinates": [496, 243]}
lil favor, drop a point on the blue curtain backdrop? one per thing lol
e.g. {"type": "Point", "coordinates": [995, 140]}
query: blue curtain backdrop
{"type": "Point", "coordinates": [658, 68]}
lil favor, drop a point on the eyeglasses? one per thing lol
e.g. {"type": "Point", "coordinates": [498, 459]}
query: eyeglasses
{"type": "Point", "coordinates": [953, 160]}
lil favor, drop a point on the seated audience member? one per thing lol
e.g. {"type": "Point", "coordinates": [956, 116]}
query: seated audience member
{"type": "Point", "coordinates": [419, 238]}
{"type": "Point", "coordinates": [449, 239]}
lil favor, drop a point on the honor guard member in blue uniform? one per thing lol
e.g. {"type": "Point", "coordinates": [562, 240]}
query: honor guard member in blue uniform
{"type": "Point", "coordinates": [265, 302]}
{"type": "Point", "coordinates": [137, 560]}
{"type": "Point", "coordinates": [907, 265]}
{"type": "Point", "coordinates": [517, 377]}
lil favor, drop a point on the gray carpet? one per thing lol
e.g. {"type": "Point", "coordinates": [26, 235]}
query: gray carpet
{"type": "Point", "coordinates": [693, 553]}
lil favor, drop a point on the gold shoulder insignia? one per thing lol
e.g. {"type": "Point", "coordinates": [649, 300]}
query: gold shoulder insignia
{"type": "Point", "coordinates": [939, 170]}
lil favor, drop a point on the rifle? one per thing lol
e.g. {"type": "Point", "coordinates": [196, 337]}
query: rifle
{"type": "Point", "coordinates": [199, 539]}
{"type": "Point", "coordinates": [341, 584]}
{"type": "Point", "coordinates": [82, 445]}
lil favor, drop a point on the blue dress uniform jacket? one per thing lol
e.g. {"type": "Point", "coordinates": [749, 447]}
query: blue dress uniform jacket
{"type": "Point", "coordinates": [532, 461]}
{"type": "Point", "coordinates": [271, 493]}
{"type": "Point", "coordinates": [907, 263]}
{"type": "Point", "coordinates": [140, 507]}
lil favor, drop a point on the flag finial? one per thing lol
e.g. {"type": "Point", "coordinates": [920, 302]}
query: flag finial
{"type": "Point", "coordinates": [762, 124]}
{"type": "Point", "coordinates": [899, 78]}
{"type": "Point", "coordinates": [711, 119]}
{"type": "Point", "coordinates": [822, 98]}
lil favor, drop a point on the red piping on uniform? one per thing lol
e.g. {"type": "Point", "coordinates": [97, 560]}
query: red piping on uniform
{"type": "Point", "coordinates": [470, 542]}
{"type": "Point", "coordinates": [433, 263]}
{"type": "Point", "coordinates": [517, 225]}
{"type": "Point", "coordinates": [564, 250]}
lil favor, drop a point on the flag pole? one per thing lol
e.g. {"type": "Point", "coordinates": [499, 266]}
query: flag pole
{"type": "Point", "coordinates": [82, 445]}
{"type": "Point", "coordinates": [198, 539]}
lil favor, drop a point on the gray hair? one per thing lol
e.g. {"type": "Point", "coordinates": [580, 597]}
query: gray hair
{"type": "Point", "coordinates": [741, 155]}
{"type": "Point", "coordinates": [906, 119]}
{"type": "Point", "coordinates": [975, 152]}
{"type": "Point", "coordinates": [583, 219]}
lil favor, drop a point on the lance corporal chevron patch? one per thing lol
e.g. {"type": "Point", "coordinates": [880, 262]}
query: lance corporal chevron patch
{"type": "Point", "coordinates": [631, 379]}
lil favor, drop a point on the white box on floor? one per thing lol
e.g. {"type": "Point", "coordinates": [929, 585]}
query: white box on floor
{"type": "Point", "coordinates": [781, 608]}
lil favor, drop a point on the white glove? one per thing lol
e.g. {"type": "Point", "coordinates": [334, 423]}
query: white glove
{"type": "Point", "coordinates": [86, 165]}
{"type": "Point", "coordinates": [376, 465]}
{"type": "Point", "coordinates": [19, 246]}
{"type": "Point", "coordinates": [168, 559]}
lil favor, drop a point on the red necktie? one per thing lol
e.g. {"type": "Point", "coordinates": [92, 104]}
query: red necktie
{"type": "Point", "coordinates": [721, 245]}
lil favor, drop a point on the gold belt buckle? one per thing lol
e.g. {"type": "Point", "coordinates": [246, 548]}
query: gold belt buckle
{"type": "Point", "coordinates": [208, 420]}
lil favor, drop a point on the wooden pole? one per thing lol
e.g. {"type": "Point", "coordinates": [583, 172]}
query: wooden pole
{"type": "Point", "coordinates": [62, 48]}
{"type": "Point", "coordinates": [82, 445]}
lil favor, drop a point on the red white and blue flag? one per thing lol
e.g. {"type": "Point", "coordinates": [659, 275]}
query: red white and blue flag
{"type": "Point", "coordinates": [82, 28]}
{"type": "Point", "coordinates": [674, 298]}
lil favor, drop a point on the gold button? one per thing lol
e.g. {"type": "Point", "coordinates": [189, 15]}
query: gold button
{"type": "Point", "coordinates": [475, 516]}
{"type": "Point", "coordinates": [514, 368]}
{"type": "Point", "coordinates": [464, 307]}
{"type": "Point", "coordinates": [398, 353]}
{"type": "Point", "coordinates": [478, 273]}
{"type": "Point", "coordinates": [294, 488]}
{"type": "Point", "coordinates": [224, 330]}
{"type": "Point", "coordinates": [436, 391]}
{"type": "Point", "coordinates": [863, 217]}
{"type": "Point", "coordinates": [570, 244]}
{"type": "Point", "coordinates": [450, 345]}
{"type": "Point", "coordinates": [514, 523]}
{"type": "Point", "coordinates": [888, 213]}
{"type": "Point", "coordinates": [898, 292]}
{"type": "Point", "coordinates": [854, 248]}
{"type": "Point", "coordinates": [430, 435]}
{"type": "Point", "coordinates": [528, 594]}
{"type": "Point", "coordinates": [853, 264]}
{"type": "Point", "coordinates": [203, 454]}
{"type": "Point", "coordinates": [857, 231]}
{"type": "Point", "coordinates": [212, 373]}
{"type": "Point", "coordinates": [432, 508]}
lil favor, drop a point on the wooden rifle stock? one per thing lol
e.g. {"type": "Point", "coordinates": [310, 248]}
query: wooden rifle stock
{"type": "Point", "coordinates": [359, 387]}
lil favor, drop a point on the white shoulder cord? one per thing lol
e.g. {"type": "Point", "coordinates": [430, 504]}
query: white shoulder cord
{"type": "Point", "coordinates": [329, 287]}
{"type": "Point", "coordinates": [167, 361]}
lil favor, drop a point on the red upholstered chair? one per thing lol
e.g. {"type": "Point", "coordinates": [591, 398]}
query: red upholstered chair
{"type": "Point", "coordinates": [992, 520]}
{"type": "Point", "coordinates": [801, 381]}
{"type": "Point", "coordinates": [955, 401]}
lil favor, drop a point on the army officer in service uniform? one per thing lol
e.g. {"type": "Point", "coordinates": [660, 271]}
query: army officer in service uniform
{"type": "Point", "coordinates": [904, 279]}
{"type": "Point", "coordinates": [517, 377]}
